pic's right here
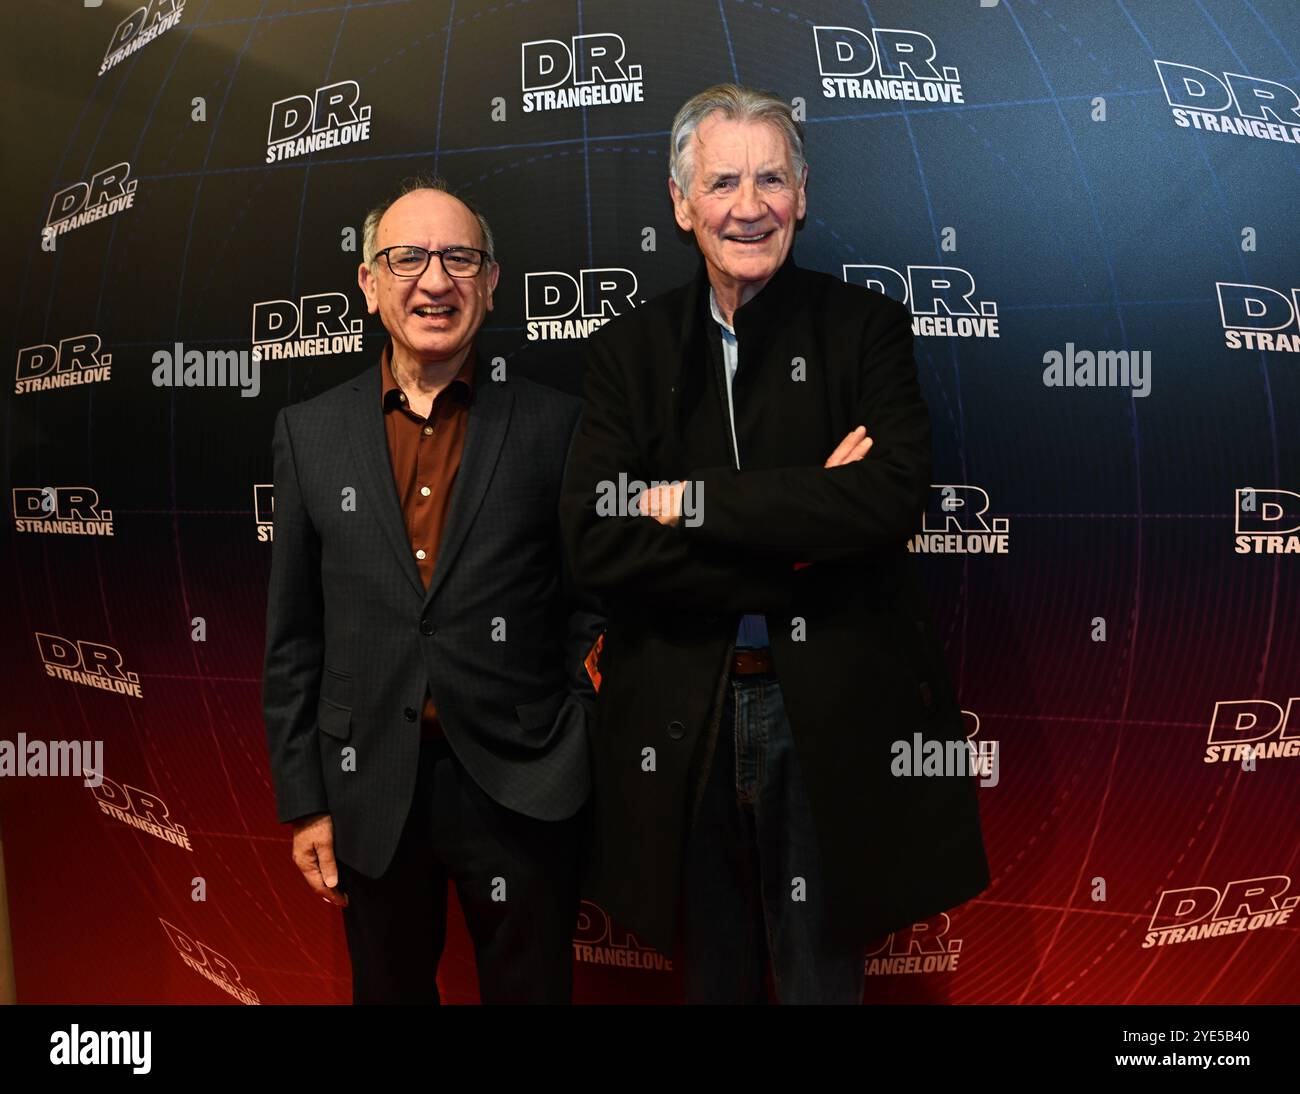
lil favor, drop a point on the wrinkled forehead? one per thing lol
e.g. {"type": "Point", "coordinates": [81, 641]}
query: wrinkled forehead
{"type": "Point", "coordinates": [720, 143]}
{"type": "Point", "coordinates": [428, 218]}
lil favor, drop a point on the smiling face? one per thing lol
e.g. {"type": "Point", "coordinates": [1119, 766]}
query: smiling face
{"type": "Point", "coordinates": [744, 202]}
{"type": "Point", "coordinates": [431, 318]}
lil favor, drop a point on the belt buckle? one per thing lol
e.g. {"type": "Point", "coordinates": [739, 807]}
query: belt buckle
{"type": "Point", "coordinates": [751, 662]}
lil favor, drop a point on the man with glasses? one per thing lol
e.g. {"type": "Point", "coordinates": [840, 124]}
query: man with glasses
{"type": "Point", "coordinates": [425, 697]}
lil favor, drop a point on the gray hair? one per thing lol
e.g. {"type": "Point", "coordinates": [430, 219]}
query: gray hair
{"type": "Point", "coordinates": [739, 103]}
{"type": "Point", "coordinates": [370, 226]}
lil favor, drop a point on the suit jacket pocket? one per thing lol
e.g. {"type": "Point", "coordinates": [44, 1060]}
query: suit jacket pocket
{"type": "Point", "coordinates": [540, 714]}
{"type": "Point", "coordinates": [334, 719]}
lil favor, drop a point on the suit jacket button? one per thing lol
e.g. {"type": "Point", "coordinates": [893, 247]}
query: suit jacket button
{"type": "Point", "coordinates": [426, 627]}
{"type": "Point", "coordinates": [409, 714]}
{"type": "Point", "coordinates": [676, 730]}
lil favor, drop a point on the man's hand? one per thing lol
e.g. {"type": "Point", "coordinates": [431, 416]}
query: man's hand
{"type": "Point", "coordinates": [855, 445]}
{"type": "Point", "coordinates": [313, 854]}
{"type": "Point", "coordinates": [664, 503]}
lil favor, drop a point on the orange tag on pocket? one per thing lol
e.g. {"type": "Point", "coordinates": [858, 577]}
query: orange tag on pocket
{"type": "Point", "coordinates": [592, 663]}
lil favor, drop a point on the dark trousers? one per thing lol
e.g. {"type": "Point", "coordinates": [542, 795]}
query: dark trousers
{"type": "Point", "coordinates": [755, 889]}
{"type": "Point", "coordinates": [517, 880]}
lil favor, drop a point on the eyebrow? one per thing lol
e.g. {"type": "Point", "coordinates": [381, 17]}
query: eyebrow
{"type": "Point", "coordinates": [717, 176]}
{"type": "Point", "coordinates": [440, 247]}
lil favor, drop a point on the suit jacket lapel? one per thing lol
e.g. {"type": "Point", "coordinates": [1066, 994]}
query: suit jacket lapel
{"type": "Point", "coordinates": [369, 440]}
{"type": "Point", "coordinates": [488, 416]}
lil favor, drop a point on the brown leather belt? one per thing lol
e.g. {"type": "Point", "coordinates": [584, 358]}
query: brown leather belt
{"type": "Point", "coordinates": [750, 662]}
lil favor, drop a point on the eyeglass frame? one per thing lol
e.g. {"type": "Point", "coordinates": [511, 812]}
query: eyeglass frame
{"type": "Point", "coordinates": [487, 260]}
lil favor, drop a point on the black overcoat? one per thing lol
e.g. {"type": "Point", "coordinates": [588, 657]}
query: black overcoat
{"type": "Point", "coordinates": [854, 647]}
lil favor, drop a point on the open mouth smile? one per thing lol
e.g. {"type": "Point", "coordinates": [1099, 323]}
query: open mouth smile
{"type": "Point", "coordinates": [434, 311]}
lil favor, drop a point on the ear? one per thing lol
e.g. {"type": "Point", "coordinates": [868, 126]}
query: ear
{"type": "Point", "coordinates": [803, 195]}
{"type": "Point", "coordinates": [493, 276]}
{"type": "Point", "coordinates": [370, 286]}
{"type": "Point", "coordinates": [681, 207]}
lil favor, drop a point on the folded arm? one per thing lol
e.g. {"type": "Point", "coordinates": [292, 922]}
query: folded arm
{"type": "Point", "coordinates": [634, 561]}
{"type": "Point", "coordinates": [822, 513]}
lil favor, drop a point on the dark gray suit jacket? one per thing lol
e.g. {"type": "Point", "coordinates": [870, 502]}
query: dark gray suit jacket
{"type": "Point", "coordinates": [353, 638]}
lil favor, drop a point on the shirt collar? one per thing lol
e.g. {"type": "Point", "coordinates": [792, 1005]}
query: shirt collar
{"type": "Point", "coordinates": [728, 331]}
{"type": "Point", "coordinates": [462, 384]}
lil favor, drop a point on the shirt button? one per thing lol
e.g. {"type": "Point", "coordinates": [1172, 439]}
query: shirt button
{"type": "Point", "coordinates": [420, 553]}
{"type": "Point", "coordinates": [427, 430]}
{"type": "Point", "coordinates": [425, 491]}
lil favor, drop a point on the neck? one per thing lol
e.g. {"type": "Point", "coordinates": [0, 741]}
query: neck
{"type": "Point", "coordinates": [731, 294]}
{"type": "Point", "coordinates": [414, 375]}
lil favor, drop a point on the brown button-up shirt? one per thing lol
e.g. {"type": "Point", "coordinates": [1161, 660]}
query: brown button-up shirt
{"type": "Point", "coordinates": [425, 454]}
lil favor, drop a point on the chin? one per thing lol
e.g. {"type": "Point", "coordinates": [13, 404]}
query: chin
{"type": "Point", "coordinates": [439, 345]}
{"type": "Point", "coordinates": [437, 351]}
{"type": "Point", "coordinates": [757, 269]}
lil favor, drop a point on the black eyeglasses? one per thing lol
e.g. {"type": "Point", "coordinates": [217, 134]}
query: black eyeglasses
{"type": "Point", "coordinates": [407, 260]}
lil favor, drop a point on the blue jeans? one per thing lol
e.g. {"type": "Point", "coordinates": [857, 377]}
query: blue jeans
{"type": "Point", "coordinates": [753, 883]}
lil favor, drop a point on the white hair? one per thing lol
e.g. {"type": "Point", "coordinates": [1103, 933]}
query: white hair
{"type": "Point", "coordinates": [738, 103]}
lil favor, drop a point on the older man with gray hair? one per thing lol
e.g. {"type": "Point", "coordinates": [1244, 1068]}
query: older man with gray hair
{"type": "Point", "coordinates": [763, 658]}
{"type": "Point", "coordinates": [425, 697]}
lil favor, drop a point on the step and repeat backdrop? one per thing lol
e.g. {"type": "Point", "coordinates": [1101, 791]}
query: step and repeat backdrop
{"type": "Point", "coordinates": [1092, 210]}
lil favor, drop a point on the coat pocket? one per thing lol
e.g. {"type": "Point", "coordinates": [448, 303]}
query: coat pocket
{"type": "Point", "coordinates": [334, 719]}
{"type": "Point", "coordinates": [540, 714]}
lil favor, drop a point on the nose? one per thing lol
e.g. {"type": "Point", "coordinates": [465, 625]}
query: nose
{"type": "Point", "coordinates": [749, 203]}
{"type": "Point", "coordinates": [434, 280]}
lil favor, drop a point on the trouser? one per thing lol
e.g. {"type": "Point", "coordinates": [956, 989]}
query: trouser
{"type": "Point", "coordinates": [516, 877]}
{"type": "Point", "coordinates": [754, 884]}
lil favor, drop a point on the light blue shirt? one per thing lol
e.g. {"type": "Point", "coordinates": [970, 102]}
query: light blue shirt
{"type": "Point", "coordinates": [753, 628]}
{"type": "Point", "coordinates": [730, 358]}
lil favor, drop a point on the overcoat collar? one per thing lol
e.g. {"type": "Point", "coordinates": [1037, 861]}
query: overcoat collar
{"type": "Point", "coordinates": [752, 322]}
{"type": "Point", "coordinates": [754, 316]}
